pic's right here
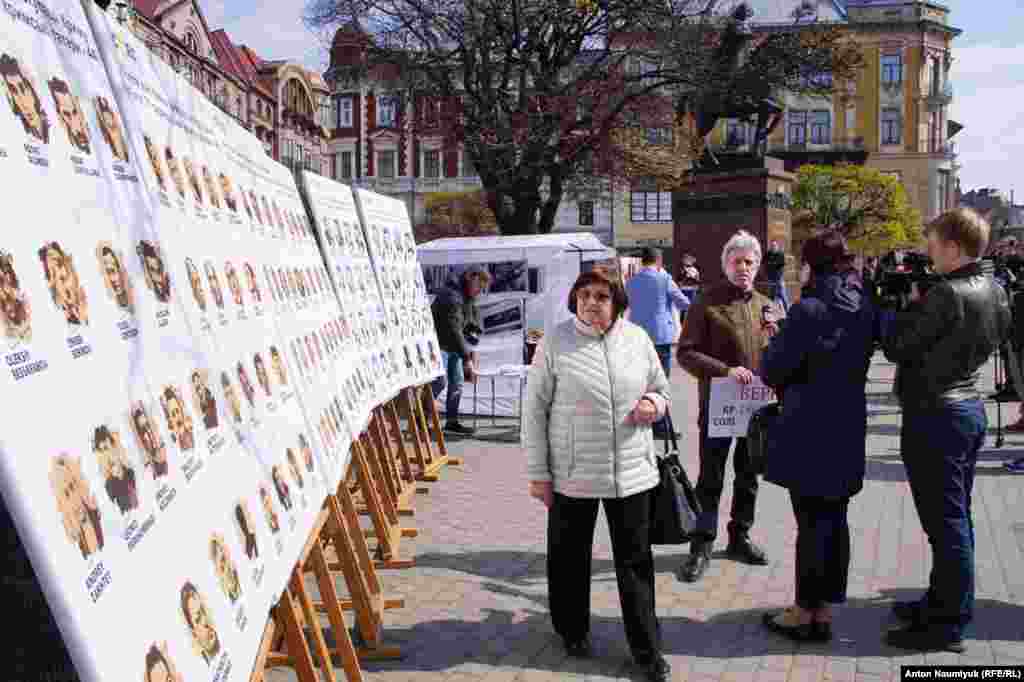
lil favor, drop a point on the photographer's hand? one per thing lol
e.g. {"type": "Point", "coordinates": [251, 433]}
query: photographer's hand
{"type": "Point", "coordinates": [915, 292]}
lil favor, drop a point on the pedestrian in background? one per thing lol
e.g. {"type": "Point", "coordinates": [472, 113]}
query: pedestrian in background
{"type": "Point", "coordinates": [775, 274]}
{"type": "Point", "coordinates": [819, 361]}
{"type": "Point", "coordinates": [689, 278]}
{"type": "Point", "coordinates": [723, 336]}
{"type": "Point", "coordinates": [592, 393]}
{"type": "Point", "coordinates": [457, 320]}
{"type": "Point", "coordinates": [653, 299]}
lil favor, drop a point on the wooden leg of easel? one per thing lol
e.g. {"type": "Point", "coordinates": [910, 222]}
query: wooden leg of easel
{"type": "Point", "coordinates": [391, 414]}
{"type": "Point", "coordinates": [382, 514]}
{"type": "Point", "coordinates": [298, 655]}
{"type": "Point", "coordinates": [364, 599]}
{"type": "Point", "coordinates": [435, 464]}
{"type": "Point", "coordinates": [298, 588]}
{"type": "Point", "coordinates": [370, 614]}
{"type": "Point", "coordinates": [389, 465]}
{"type": "Point", "coordinates": [262, 654]}
{"type": "Point", "coordinates": [421, 454]}
{"type": "Point", "coordinates": [380, 477]}
{"type": "Point", "coordinates": [435, 422]}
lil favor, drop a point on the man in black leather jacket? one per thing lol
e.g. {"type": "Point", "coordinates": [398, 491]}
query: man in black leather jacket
{"type": "Point", "coordinates": [940, 344]}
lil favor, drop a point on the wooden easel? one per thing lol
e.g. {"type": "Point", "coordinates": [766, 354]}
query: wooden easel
{"type": "Point", "coordinates": [382, 450]}
{"type": "Point", "coordinates": [424, 457]}
{"type": "Point", "coordinates": [286, 640]}
{"type": "Point", "coordinates": [393, 429]}
{"type": "Point", "coordinates": [382, 510]}
{"type": "Point", "coordinates": [345, 537]}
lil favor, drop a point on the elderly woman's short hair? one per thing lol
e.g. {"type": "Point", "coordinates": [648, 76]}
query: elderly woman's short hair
{"type": "Point", "coordinates": [619, 299]}
{"type": "Point", "coordinates": [741, 241]}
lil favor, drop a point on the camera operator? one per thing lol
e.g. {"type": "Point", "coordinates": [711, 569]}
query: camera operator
{"type": "Point", "coordinates": [940, 342]}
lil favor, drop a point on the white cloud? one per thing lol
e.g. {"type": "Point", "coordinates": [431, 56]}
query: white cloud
{"type": "Point", "coordinates": [273, 30]}
{"type": "Point", "coordinates": [987, 80]}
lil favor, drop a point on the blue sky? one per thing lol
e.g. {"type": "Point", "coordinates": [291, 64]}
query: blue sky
{"type": "Point", "coordinates": [988, 74]}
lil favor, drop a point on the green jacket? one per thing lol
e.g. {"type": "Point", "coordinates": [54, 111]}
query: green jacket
{"type": "Point", "coordinates": [453, 313]}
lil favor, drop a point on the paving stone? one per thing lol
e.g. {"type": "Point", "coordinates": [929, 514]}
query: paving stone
{"type": "Point", "coordinates": [476, 601]}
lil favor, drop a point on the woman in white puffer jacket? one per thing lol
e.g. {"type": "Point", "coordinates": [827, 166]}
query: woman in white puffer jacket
{"type": "Point", "coordinates": [593, 392]}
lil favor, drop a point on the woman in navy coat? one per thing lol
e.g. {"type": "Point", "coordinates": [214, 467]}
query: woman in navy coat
{"type": "Point", "coordinates": [819, 363]}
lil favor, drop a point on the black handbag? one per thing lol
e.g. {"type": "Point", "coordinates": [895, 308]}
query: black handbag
{"type": "Point", "coordinates": [674, 505]}
{"type": "Point", "coordinates": [761, 424]}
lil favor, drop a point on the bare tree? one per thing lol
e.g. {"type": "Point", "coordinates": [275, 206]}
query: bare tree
{"type": "Point", "coordinates": [538, 91]}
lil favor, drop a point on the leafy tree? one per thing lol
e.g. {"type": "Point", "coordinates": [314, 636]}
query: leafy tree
{"type": "Point", "coordinates": [539, 91]}
{"type": "Point", "coordinates": [456, 214]}
{"type": "Point", "coordinates": [869, 207]}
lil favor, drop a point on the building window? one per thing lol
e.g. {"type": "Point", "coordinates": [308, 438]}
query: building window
{"type": "Point", "coordinates": [891, 126]}
{"type": "Point", "coordinates": [797, 127]}
{"type": "Point", "coordinates": [468, 169]}
{"type": "Point", "coordinates": [345, 160]}
{"type": "Point", "coordinates": [944, 193]}
{"type": "Point", "coordinates": [586, 211]}
{"type": "Point", "coordinates": [386, 164]}
{"type": "Point", "coordinates": [387, 111]}
{"type": "Point", "coordinates": [736, 133]}
{"type": "Point", "coordinates": [892, 69]}
{"type": "Point", "coordinates": [432, 163]}
{"type": "Point", "coordinates": [345, 112]}
{"type": "Point", "coordinates": [821, 127]}
{"type": "Point", "coordinates": [650, 207]}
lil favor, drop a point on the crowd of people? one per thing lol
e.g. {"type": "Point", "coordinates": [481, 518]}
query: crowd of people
{"type": "Point", "coordinates": [597, 397]}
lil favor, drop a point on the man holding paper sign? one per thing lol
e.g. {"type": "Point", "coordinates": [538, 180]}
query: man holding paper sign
{"type": "Point", "coordinates": [725, 331]}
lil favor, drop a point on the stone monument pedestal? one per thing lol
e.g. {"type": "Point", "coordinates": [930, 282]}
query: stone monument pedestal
{"type": "Point", "coordinates": [743, 193]}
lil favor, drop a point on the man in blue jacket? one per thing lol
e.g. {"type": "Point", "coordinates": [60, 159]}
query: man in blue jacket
{"type": "Point", "coordinates": [652, 295]}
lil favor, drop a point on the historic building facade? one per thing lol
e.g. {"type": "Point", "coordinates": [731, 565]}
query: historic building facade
{"type": "Point", "coordinates": [285, 105]}
{"type": "Point", "coordinates": [893, 118]}
{"type": "Point", "coordinates": [372, 144]}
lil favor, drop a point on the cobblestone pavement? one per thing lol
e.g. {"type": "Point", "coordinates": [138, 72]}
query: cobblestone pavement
{"type": "Point", "coordinates": [476, 602]}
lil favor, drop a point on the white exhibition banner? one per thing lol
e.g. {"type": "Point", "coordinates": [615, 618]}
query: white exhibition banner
{"type": "Point", "coordinates": [731, 405]}
{"type": "Point", "coordinates": [183, 374]}
{"type": "Point", "coordinates": [411, 334]}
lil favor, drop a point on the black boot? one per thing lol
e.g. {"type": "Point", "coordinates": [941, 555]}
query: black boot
{"type": "Point", "coordinates": [697, 563]}
{"type": "Point", "coordinates": [741, 548]}
{"type": "Point", "coordinates": [458, 429]}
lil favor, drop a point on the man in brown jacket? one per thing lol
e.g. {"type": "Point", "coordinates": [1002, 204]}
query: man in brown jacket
{"type": "Point", "coordinates": [723, 336]}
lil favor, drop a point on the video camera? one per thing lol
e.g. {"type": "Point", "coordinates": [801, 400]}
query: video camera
{"type": "Point", "coordinates": [1009, 271]}
{"type": "Point", "coordinates": [896, 279]}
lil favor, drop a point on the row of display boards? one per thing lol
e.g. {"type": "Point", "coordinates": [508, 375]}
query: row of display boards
{"type": "Point", "coordinates": [211, 365]}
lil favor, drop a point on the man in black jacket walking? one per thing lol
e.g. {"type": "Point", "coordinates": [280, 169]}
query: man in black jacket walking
{"type": "Point", "coordinates": [939, 344]}
{"type": "Point", "coordinates": [457, 320]}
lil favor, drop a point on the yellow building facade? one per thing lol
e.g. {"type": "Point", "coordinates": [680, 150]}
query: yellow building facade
{"type": "Point", "coordinates": [893, 118]}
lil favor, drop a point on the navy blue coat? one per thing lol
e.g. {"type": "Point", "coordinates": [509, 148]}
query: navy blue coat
{"type": "Point", "coordinates": [819, 363]}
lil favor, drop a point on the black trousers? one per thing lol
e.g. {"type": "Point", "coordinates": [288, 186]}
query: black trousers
{"type": "Point", "coordinates": [571, 522]}
{"type": "Point", "coordinates": [822, 550]}
{"type": "Point", "coordinates": [714, 453]}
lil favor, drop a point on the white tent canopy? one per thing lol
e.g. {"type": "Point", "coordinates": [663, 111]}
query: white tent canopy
{"type": "Point", "coordinates": [531, 279]}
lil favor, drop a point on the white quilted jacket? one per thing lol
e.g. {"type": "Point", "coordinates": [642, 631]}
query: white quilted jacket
{"type": "Point", "coordinates": [579, 391]}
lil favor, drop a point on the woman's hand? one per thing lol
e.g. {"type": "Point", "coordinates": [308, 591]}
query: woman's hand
{"type": "Point", "coordinates": [644, 412]}
{"type": "Point", "coordinates": [543, 491]}
{"type": "Point", "coordinates": [742, 375]}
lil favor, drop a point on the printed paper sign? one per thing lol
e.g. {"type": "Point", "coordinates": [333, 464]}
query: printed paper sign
{"type": "Point", "coordinates": [731, 405]}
